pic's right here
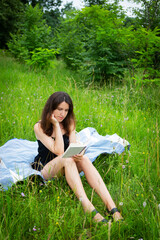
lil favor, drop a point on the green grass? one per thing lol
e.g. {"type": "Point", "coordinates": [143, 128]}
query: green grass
{"type": "Point", "coordinates": [130, 110]}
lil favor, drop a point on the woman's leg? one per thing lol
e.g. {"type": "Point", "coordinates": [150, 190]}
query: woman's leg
{"type": "Point", "coordinates": [96, 182]}
{"type": "Point", "coordinates": [60, 166]}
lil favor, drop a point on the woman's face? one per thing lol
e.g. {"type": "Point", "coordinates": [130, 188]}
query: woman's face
{"type": "Point", "coordinates": [61, 112]}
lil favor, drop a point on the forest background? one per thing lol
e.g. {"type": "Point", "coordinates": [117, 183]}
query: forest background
{"type": "Point", "coordinates": [110, 62]}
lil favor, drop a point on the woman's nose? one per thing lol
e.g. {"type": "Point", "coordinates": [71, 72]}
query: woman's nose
{"type": "Point", "coordinates": [63, 113]}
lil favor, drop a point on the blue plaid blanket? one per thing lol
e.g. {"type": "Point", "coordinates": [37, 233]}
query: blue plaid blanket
{"type": "Point", "coordinates": [17, 154]}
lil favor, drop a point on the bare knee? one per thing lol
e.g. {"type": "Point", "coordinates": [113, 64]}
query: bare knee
{"type": "Point", "coordinates": [68, 162]}
{"type": "Point", "coordinates": [84, 162]}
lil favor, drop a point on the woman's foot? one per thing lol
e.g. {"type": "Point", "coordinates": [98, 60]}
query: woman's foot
{"type": "Point", "coordinates": [98, 217]}
{"type": "Point", "coordinates": [116, 215]}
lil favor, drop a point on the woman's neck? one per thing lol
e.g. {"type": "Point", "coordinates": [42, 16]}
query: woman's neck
{"type": "Point", "coordinates": [61, 126]}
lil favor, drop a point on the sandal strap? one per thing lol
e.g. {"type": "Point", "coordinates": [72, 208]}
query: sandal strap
{"type": "Point", "coordinates": [94, 212]}
{"type": "Point", "coordinates": [113, 211]}
{"type": "Point", "coordinates": [104, 220]}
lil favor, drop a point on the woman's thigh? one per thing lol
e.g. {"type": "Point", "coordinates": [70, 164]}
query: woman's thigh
{"type": "Point", "coordinates": [54, 168]}
{"type": "Point", "coordinates": [83, 163]}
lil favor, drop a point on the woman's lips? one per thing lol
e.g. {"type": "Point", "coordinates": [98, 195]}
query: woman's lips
{"type": "Point", "coordinates": [61, 118]}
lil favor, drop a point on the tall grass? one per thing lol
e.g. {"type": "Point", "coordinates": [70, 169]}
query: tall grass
{"type": "Point", "coordinates": [52, 211]}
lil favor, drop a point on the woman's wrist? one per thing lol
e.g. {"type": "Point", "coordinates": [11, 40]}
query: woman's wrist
{"type": "Point", "coordinates": [56, 124]}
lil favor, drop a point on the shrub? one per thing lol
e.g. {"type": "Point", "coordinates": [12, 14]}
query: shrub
{"type": "Point", "coordinates": [92, 39]}
{"type": "Point", "coordinates": [147, 54]}
{"type": "Point", "coordinates": [33, 34]}
{"type": "Point", "coordinates": [41, 57]}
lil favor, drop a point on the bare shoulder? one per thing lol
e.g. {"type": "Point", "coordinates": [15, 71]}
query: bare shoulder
{"type": "Point", "coordinates": [37, 127]}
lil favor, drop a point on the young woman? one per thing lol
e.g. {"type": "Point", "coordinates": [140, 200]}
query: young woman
{"type": "Point", "coordinates": [54, 132]}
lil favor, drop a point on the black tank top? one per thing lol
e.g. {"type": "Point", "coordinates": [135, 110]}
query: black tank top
{"type": "Point", "coordinates": [45, 155]}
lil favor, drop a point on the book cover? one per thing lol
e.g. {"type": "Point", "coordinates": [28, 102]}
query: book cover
{"type": "Point", "coordinates": [73, 149]}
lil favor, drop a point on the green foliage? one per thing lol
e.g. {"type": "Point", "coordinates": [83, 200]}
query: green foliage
{"type": "Point", "coordinates": [45, 4]}
{"type": "Point", "coordinates": [148, 15]}
{"type": "Point", "coordinates": [51, 11]}
{"type": "Point", "coordinates": [147, 54]}
{"type": "Point", "coordinates": [92, 40]}
{"type": "Point", "coordinates": [41, 57]}
{"type": "Point", "coordinates": [94, 2]}
{"type": "Point", "coordinates": [99, 41]}
{"type": "Point", "coordinates": [11, 12]}
{"type": "Point", "coordinates": [33, 34]}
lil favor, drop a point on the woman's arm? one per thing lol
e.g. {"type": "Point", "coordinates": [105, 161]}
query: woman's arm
{"type": "Point", "coordinates": [72, 135]}
{"type": "Point", "coordinates": [56, 146]}
{"type": "Point", "coordinates": [72, 139]}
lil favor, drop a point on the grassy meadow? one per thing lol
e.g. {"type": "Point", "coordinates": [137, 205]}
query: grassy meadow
{"type": "Point", "coordinates": [51, 211]}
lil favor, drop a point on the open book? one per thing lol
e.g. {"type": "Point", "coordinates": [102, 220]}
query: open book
{"type": "Point", "coordinates": [73, 149]}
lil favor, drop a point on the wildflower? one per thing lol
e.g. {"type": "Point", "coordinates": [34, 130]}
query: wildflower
{"type": "Point", "coordinates": [126, 119]}
{"type": "Point", "coordinates": [123, 166]}
{"type": "Point", "coordinates": [142, 194]}
{"type": "Point", "coordinates": [34, 228]}
{"type": "Point", "coordinates": [144, 204]}
{"type": "Point", "coordinates": [56, 223]}
{"type": "Point", "coordinates": [22, 194]}
{"type": "Point", "coordinates": [127, 161]}
{"type": "Point", "coordinates": [121, 204]}
{"type": "Point", "coordinates": [40, 191]}
{"type": "Point", "coordinates": [137, 194]}
{"type": "Point", "coordinates": [101, 125]}
{"type": "Point", "coordinates": [80, 199]}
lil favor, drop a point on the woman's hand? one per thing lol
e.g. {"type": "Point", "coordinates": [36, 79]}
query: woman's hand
{"type": "Point", "coordinates": [53, 120]}
{"type": "Point", "coordinates": [77, 157]}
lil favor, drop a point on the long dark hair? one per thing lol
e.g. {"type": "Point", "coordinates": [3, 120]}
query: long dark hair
{"type": "Point", "coordinates": [52, 103]}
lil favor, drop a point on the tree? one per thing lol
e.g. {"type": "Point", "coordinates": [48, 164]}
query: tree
{"type": "Point", "coordinates": [32, 34]}
{"type": "Point", "coordinates": [53, 16]}
{"type": "Point", "coordinates": [45, 4]}
{"type": "Point", "coordinates": [94, 2]}
{"type": "Point", "coordinates": [92, 40]}
{"type": "Point", "coordinates": [11, 11]}
{"type": "Point", "coordinates": [149, 14]}
{"type": "Point", "coordinates": [147, 52]}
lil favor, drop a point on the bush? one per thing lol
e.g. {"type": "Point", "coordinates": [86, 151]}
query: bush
{"type": "Point", "coordinates": [32, 37]}
{"type": "Point", "coordinates": [147, 54]}
{"type": "Point", "coordinates": [41, 57]}
{"type": "Point", "coordinates": [92, 39]}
